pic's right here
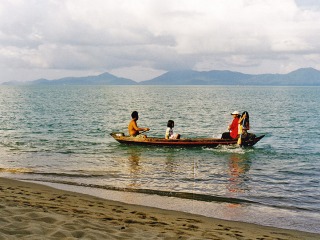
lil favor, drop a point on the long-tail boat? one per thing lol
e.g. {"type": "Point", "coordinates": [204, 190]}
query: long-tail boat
{"type": "Point", "coordinates": [183, 142]}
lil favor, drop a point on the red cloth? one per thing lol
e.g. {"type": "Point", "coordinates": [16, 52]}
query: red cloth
{"type": "Point", "coordinates": [234, 128]}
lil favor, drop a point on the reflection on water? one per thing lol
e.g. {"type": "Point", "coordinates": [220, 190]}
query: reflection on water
{"type": "Point", "coordinates": [134, 155]}
{"type": "Point", "coordinates": [239, 165]}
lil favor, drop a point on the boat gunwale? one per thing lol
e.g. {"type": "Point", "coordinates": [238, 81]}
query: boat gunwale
{"type": "Point", "coordinates": [209, 142]}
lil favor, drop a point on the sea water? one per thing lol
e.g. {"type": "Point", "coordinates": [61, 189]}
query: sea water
{"type": "Point", "coordinates": [60, 135]}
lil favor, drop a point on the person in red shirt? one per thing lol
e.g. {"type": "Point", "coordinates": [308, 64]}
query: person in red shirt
{"type": "Point", "coordinates": [233, 127]}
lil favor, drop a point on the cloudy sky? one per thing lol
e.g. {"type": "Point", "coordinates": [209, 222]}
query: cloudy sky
{"type": "Point", "coordinates": [141, 39]}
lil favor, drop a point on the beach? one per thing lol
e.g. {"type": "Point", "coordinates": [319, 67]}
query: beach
{"type": "Point", "coordinates": [35, 211]}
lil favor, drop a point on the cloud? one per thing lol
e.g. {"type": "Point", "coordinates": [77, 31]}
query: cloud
{"type": "Point", "coordinates": [58, 37]}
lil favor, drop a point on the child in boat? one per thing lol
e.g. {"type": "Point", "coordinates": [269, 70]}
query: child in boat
{"type": "Point", "coordinates": [169, 131]}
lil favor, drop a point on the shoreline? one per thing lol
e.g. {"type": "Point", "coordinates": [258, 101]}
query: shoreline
{"type": "Point", "coordinates": [31, 210]}
{"type": "Point", "coordinates": [248, 213]}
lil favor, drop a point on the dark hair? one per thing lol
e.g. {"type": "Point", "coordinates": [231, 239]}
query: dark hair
{"type": "Point", "coordinates": [247, 114]}
{"type": "Point", "coordinates": [134, 114]}
{"type": "Point", "coordinates": [245, 121]}
{"type": "Point", "coordinates": [170, 124]}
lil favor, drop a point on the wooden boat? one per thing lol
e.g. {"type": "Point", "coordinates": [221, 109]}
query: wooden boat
{"type": "Point", "coordinates": [184, 142]}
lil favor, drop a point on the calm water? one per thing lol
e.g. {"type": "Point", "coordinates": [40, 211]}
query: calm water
{"type": "Point", "coordinates": [60, 134]}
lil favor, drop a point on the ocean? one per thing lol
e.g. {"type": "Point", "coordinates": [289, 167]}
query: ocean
{"type": "Point", "coordinates": [59, 135]}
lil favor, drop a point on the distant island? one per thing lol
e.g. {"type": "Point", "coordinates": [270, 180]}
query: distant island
{"type": "Point", "coordinates": [299, 77]}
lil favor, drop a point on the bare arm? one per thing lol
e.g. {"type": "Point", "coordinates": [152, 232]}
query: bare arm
{"type": "Point", "coordinates": [134, 129]}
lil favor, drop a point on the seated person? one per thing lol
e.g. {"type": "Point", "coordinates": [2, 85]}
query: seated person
{"type": "Point", "coordinates": [133, 128]}
{"type": "Point", "coordinates": [233, 127]}
{"type": "Point", "coordinates": [169, 131]}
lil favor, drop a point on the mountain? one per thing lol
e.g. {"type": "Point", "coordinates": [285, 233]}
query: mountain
{"type": "Point", "coordinates": [189, 77]}
{"type": "Point", "coordinates": [310, 76]}
{"type": "Point", "coordinates": [102, 79]}
{"type": "Point", "coordinates": [299, 77]}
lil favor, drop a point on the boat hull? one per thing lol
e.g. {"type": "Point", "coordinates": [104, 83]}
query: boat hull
{"type": "Point", "coordinates": [194, 142]}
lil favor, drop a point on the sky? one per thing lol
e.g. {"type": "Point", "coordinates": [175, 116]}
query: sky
{"type": "Point", "coordinates": [141, 39]}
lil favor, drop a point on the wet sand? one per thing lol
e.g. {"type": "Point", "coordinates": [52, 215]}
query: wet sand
{"type": "Point", "coordinates": [34, 211]}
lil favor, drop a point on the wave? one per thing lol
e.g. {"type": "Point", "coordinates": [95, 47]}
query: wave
{"type": "Point", "coordinates": [182, 195]}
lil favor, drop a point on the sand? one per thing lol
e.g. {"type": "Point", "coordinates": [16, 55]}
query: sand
{"type": "Point", "coordinates": [34, 211]}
